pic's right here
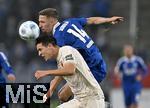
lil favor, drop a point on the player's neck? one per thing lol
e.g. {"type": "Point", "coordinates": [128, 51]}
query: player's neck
{"type": "Point", "coordinates": [56, 24]}
{"type": "Point", "coordinates": [129, 56]}
{"type": "Point", "coordinates": [57, 51]}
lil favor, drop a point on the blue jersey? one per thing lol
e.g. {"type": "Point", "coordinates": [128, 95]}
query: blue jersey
{"type": "Point", "coordinates": [130, 68]}
{"type": "Point", "coordinates": [70, 32]}
{"type": "Point", "coordinates": [4, 65]}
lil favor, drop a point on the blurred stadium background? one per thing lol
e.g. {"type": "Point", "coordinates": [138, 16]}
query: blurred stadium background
{"type": "Point", "coordinates": [109, 38]}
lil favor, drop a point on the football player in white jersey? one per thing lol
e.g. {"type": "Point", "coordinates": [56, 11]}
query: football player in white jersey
{"type": "Point", "coordinates": [73, 68]}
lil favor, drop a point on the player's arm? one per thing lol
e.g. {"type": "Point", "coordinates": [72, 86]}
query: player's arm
{"type": "Point", "coordinates": [101, 20]}
{"type": "Point", "coordinates": [143, 69]}
{"type": "Point", "coordinates": [118, 68]}
{"type": "Point", "coordinates": [67, 69]}
{"type": "Point", "coordinates": [143, 66]}
{"type": "Point", "coordinates": [117, 73]}
{"type": "Point", "coordinates": [7, 68]}
{"type": "Point", "coordinates": [53, 85]}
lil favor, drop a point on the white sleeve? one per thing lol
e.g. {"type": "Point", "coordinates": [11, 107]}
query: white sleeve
{"type": "Point", "coordinates": [68, 55]}
{"type": "Point", "coordinates": [117, 67]}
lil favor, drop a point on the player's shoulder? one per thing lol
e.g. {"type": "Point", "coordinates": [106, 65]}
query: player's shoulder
{"type": "Point", "coordinates": [122, 59]}
{"type": "Point", "coordinates": [66, 47]}
{"type": "Point", "coordinates": [75, 20]}
{"type": "Point", "coordinates": [65, 25]}
{"type": "Point", "coordinates": [65, 51]}
{"type": "Point", "coordinates": [138, 58]}
{"type": "Point", "coordinates": [2, 55]}
{"type": "Point", "coordinates": [71, 19]}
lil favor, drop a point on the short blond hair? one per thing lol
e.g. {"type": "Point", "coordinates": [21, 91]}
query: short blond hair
{"type": "Point", "coordinates": [49, 12]}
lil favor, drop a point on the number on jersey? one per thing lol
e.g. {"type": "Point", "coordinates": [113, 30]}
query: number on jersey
{"type": "Point", "coordinates": [81, 34]}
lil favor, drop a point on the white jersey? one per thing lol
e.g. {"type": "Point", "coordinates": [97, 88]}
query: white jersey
{"type": "Point", "coordinates": [82, 83]}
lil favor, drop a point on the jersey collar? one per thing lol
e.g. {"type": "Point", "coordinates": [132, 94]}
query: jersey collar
{"type": "Point", "coordinates": [131, 59]}
{"type": "Point", "coordinates": [55, 26]}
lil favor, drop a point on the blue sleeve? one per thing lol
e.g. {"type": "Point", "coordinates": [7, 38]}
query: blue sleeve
{"type": "Point", "coordinates": [119, 64]}
{"type": "Point", "coordinates": [142, 66]}
{"type": "Point", "coordinates": [81, 21]}
{"type": "Point", "coordinates": [5, 64]}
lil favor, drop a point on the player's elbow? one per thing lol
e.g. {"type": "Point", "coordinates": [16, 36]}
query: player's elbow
{"type": "Point", "coordinates": [69, 69]}
{"type": "Point", "coordinates": [70, 72]}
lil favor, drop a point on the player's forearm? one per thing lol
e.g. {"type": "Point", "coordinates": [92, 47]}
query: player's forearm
{"type": "Point", "coordinates": [8, 69]}
{"type": "Point", "coordinates": [116, 72]}
{"type": "Point", "coordinates": [58, 72]}
{"type": "Point", "coordinates": [145, 70]}
{"type": "Point", "coordinates": [53, 85]}
{"type": "Point", "coordinates": [97, 20]}
{"type": "Point", "coordinates": [66, 70]}
{"type": "Point", "coordinates": [101, 20]}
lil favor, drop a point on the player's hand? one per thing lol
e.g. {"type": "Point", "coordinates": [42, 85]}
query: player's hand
{"type": "Point", "coordinates": [11, 77]}
{"type": "Point", "coordinates": [39, 74]}
{"type": "Point", "coordinates": [115, 19]}
{"type": "Point", "coordinates": [44, 98]}
{"type": "Point", "coordinates": [139, 77]}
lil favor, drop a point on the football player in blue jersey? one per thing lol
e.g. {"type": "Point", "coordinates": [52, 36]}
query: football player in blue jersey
{"type": "Point", "coordinates": [132, 69]}
{"type": "Point", "coordinates": [71, 32]}
{"type": "Point", "coordinates": [4, 65]}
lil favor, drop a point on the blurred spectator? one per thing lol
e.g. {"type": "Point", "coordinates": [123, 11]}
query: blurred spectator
{"type": "Point", "coordinates": [101, 7]}
{"type": "Point", "coordinates": [95, 8]}
{"type": "Point", "coordinates": [66, 9]}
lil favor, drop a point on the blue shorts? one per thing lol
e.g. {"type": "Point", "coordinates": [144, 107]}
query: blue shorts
{"type": "Point", "coordinates": [132, 94]}
{"type": "Point", "coordinates": [99, 71]}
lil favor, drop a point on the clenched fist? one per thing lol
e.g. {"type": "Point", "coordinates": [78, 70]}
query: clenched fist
{"type": "Point", "coordinates": [39, 74]}
{"type": "Point", "coordinates": [11, 77]}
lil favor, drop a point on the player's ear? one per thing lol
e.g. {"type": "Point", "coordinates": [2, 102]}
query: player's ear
{"type": "Point", "coordinates": [52, 19]}
{"type": "Point", "coordinates": [50, 45]}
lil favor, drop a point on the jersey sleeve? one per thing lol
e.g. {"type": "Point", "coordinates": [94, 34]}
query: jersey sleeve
{"type": "Point", "coordinates": [68, 56]}
{"type": "Point", "coordinates": [5, 64]}
{"type": "Point", "coordinates": [81, 21]}
{"type": "Point", "coordinates": [142, 65]}
{"type": "Point", "coordinates": [119, 64]}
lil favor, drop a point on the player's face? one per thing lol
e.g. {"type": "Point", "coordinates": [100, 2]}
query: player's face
{"type": "Point", "coordinates": [46, 52]}
{"type": "Point", "coordinates": [128, 51]}
{"type": "Point", "coordinates": [46, 23]}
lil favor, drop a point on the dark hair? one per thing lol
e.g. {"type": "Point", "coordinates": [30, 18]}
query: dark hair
{"type": "Point", "coordinates": [49, 12]}
{"type": "Point", "coordinates": [45, 40]}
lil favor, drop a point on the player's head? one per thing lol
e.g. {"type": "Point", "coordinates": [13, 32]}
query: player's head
{"type": "Point", "coordinates": [46, 47]}
{"type": "Point", "coordinates": [128, 50]}
{"type": "Point", "coordinates": [47, 19]}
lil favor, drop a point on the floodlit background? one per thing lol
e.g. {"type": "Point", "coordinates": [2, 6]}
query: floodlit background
{"type": "Point", "coordinates": [109, 38]}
